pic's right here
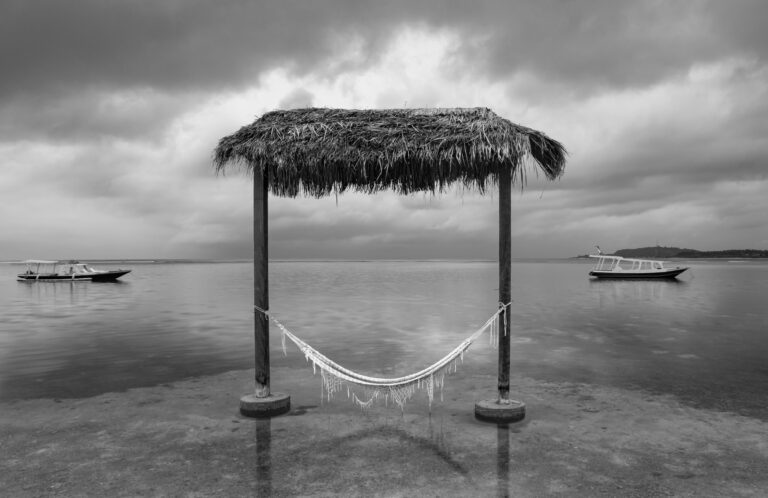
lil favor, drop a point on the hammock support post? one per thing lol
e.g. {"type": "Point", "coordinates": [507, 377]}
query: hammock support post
{"type": "Point", "coordinates": [505, 277]}
{"type": "Point", "coordinates": [503, 409]}
{"type": "Point", "coordinates": [263, 402]}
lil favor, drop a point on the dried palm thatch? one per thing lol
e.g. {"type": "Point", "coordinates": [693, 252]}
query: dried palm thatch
{"type": "Point", "coordinates": [323, 151]}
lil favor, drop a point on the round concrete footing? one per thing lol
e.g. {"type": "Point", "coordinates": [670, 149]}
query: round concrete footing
{"type": "Point", "coordinates": [272, 405]}
{"type": "Point", "coordinates": [490, 410]}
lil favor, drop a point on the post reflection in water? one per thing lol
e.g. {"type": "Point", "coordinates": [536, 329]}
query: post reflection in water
{"type": "Point", "coordinates": [502, 459]}
{"type": "Point", "coordinates": [263, 457]}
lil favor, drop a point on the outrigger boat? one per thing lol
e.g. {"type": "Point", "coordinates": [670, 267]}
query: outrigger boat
{"type": "Point", "coordinates": [66, 271]}
{"type": "Point", "coordinates": [620, 267]}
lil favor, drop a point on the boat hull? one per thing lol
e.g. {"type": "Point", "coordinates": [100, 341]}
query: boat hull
{"type": "Point", "coordinates": [105, 276]}
{"type": "Point", "coordinates": [640, 275]}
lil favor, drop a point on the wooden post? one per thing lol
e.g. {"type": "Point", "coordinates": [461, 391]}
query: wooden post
{"type": "Point", "coordinates": [261, 281]}
{"type": "Point", "coordinates": [262, 403]}
{"type": "Point", "coordinates": [503, 410]}
{"type": "Point", "coordinates": [505, 291]}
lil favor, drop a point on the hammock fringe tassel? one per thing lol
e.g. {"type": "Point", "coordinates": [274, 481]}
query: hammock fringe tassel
{"type": "Point", "coordinates": [396, 390]}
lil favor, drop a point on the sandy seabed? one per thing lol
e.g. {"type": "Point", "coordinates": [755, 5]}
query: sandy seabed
{"type": "Point", "coordinates": [188, 439]}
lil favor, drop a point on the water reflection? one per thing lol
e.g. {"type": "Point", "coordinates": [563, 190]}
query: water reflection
{"type": "Point", "coordinates": [502, 460]}
{"type": "Point", "coordinates": [436, 435]}
{"type": "Point", "coordinates": [76, 339]}
{"type": "Point", "coordinates": [263, 457]}
{"type": "Point", "coordinates": [401, 449]}
{"type": "Point", "coordinates": [638, 289]}
{"type": "Point", "coordinates": [699, 338]}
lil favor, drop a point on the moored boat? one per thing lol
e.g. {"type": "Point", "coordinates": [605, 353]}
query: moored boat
{"type": "Point", "coordinates": [625, 268]}
{"type": "Point", "coordinates": [39, 270]}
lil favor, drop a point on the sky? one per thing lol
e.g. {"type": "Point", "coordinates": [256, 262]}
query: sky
{"type": "Point", "coordinates": [110, 111]}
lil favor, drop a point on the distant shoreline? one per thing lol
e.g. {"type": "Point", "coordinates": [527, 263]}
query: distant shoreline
{"type": "Point", "coordinates": [682, 253]}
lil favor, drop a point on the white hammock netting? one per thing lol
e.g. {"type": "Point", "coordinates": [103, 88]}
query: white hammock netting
{"type": "Point", "coordinates": [399, 389]}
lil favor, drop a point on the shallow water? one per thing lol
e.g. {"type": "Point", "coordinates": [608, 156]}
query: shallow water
{"type": "Point", "coordinates": [703, 338]}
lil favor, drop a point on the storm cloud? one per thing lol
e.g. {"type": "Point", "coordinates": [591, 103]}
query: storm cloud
{"type": "Point", "coordinates": [109, 112]}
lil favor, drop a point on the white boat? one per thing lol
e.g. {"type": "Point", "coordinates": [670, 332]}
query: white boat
{"type": "Point", "coordinates": [66, 271]}
{"type": "Point", "coordinates": [620, 267]}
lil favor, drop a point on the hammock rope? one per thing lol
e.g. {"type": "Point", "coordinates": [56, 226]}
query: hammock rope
{"type": "Point", "coordinates": [398, 389]}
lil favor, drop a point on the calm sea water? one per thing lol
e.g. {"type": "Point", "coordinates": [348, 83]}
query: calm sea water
{"type": "Point", "coordinates": [703, 338]}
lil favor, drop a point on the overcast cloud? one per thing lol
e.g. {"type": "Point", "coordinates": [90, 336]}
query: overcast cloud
{"type": "Point", "coordinates": [109, 112]}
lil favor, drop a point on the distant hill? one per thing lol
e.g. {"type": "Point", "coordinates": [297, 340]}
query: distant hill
{"type": "Point", "coordinates": [676, 252]}
{"type": "Point", "coordinates": [650, 252]}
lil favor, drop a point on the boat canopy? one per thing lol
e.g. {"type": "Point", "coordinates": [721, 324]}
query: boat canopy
{"type": "Point", "coordinates": [611, 263]}
{"type": "Point", "coordinates": [38, 262]}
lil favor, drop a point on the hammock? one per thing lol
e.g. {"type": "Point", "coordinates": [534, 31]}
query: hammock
{"type": "Point", "coordinates": [398, 389]}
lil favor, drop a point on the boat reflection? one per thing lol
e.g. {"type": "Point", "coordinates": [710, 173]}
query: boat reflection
{"type": "Point", "coordinates": [48, 293]}
{"type": "Point", "coordinates": [621, 290]}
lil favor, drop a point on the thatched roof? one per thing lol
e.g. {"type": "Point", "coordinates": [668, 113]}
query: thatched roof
{"type": "Point", "coordinates": [322, 151]}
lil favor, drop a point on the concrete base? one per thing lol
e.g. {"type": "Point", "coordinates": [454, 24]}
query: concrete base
{"type": "Point", "coordinates": [273, 405]}
{"type": "Point", "coordinates": [490, 410]}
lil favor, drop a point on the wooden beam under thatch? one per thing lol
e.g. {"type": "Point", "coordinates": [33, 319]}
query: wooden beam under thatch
{"type": "Point", "coordinates": [321, 151]}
